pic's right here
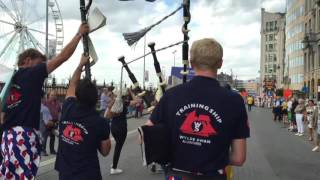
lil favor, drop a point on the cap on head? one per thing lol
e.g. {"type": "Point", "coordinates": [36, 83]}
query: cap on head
{"type": "Point", "coordinates": [206, 54]}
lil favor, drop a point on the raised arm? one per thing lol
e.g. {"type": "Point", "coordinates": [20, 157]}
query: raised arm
{"type": "Point", "coordinates": [71, 92]}
{"type": "Point", "coordinates": [67, 51]}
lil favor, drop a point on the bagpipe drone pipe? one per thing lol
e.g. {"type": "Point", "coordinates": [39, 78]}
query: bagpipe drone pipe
{"type": "Point", "coordinates": [137, 89]}
{"type": "Point", "coordinates": [156, 146]}
{"type": "Point", "coordinates": [157, 67]}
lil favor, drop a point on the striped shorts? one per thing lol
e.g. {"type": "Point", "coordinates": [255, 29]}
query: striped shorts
{"type": "Point", "coordinates": [20, 148]}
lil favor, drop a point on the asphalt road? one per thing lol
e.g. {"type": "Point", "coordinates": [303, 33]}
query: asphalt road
{"type": "Point", "coordinates": [273, 154]}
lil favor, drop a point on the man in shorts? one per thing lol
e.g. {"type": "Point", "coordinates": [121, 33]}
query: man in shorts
{"type": "Point", "coordinates": [21, 142]}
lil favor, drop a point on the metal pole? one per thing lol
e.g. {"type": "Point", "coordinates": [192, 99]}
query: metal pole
{"type": "Point", "coordinates": [174, 58]}
{"type": "Point", "coordinates": [47, 28]}
{"type": "Point", "coordinates": [144, 63]}
{"type": "Point", "coordinates": [121, 79]}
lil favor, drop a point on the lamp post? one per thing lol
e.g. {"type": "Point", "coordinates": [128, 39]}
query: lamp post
{"type": "Point", "coordinates": [174, 58]}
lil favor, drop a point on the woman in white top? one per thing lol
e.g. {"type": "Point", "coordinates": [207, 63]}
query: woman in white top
{"type": "Point", "coordinates": [310, 116]}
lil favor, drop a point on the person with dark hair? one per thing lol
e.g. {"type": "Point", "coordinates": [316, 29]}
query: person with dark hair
{"type": "Point", "coordinates": [250, 102]}
{"type": "Point", "coordinates": [119, 128]}
{"type": "Point", "coordinates": [22, 110]}
{"type": "Point", "coordinates": [202, 127]}
{"type": "Point", "coordinates": [82, 131]}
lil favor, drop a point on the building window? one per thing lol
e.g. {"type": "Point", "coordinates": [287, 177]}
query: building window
{"type": "Point", "coordinates": [310, 27]}
{"type": "Point", "coordinates": [271, 37]}
{"type": "Point", "coordinates": [270, 47]}
{"type": "Point", "coordinates": [312, 60]}
{"type": "Point", "coordinates": [271, 25]}
{"type": "Point", "coordinates": [305, 62]}
{"type": "Point", "coordinates": [319, 56]}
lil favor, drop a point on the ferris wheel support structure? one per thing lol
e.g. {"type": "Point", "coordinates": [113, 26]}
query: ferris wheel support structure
{"type": "Point", "coordinates": [22, 26]}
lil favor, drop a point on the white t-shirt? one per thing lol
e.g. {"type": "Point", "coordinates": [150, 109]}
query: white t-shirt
{"type": "Point", "coordinates": [289, 105]}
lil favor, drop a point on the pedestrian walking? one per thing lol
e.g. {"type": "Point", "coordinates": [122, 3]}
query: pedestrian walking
{"type": "Point", "coordinates": [22, 110]}
{"type": "Point", "coordinates": [83, 131]}
{"type": "Point", "coordinates": [119, 128]}
{"type": "Point", "coordinates": [250, 102]}
{"type": "Point", "coordinates": [202, 127]}
{"type": "Point", "coordinates": [300, 111]}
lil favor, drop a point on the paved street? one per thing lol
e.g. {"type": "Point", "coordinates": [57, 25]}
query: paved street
{"type": "Point", "coordinates": [273, 154]}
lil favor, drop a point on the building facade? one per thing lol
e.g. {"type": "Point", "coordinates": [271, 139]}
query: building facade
{"type": "Point", "coordinates": [225, 79]}
{"type": "Point", "coordinates": [272, 48]}
{"type": "Point", "coordinates": [311, 49]}
{"type": "Point", "coordinates": [251, 86]}
{"type": "Point", "coordinates": [294, 56]}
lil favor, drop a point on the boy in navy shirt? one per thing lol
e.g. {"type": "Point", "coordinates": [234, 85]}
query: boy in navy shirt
{"type": "Point", "coordinates": [82, 131]}
{"type": "Point", "coordinates": [21, 142]}
{"type": "Point", "coordinates": [204, 120]}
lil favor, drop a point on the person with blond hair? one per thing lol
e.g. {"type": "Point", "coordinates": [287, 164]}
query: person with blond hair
{"type": "Point", "coordinates": [200, 123]}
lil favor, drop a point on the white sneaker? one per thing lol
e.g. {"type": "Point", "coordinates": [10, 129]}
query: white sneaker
{"type": "Point", "coordinates": [115, 171]}
{"type": "Point", "coordinates": [315, 149]}
{"type": "Point", "coordinates": [297, 134]}
{"type": "Point", "coordinates": [301, 134]}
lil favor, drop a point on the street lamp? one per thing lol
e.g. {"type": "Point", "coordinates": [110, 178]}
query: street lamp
{"type": "Point", "coordinates": [174, 58]}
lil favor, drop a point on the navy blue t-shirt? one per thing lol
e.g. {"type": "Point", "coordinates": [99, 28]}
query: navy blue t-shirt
{"type": "Point", "coordinates": [24, 99]}
{"type": "Point", "coordinates": [81, 132]}
{"type": "Point", "coordinates": [203, 119]}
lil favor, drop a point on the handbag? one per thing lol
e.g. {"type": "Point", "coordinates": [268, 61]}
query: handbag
{"type": "Point", "coordinates": [117, 106]}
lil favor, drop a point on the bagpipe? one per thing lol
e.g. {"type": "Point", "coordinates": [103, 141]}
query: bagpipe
{"type": "Point", "coordinates": [156, 146]}
{"type": "Point", "coordinates": [137, 89]}
{"type": "Point", "coordinates": [95, 20]}
{"type": "Point", "coordinates": [162, 84]}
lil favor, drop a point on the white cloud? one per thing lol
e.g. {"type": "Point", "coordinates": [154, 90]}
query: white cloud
{"type": "Point", "coordinates": [234, 23]}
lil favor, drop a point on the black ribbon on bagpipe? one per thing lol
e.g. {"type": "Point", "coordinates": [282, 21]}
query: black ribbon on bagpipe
{"type": "Point", "coordinates": [185, 45]}
{"type": "Point", "coordinates": [157, 65]}
{"type": "Point", "coordinates": [85, 39]}
{"type": "Point", "coordinates": [132, 77]}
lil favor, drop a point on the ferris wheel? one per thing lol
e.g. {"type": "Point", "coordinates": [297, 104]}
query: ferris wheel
{"type": "Point", "coordinates": [23, 26]}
